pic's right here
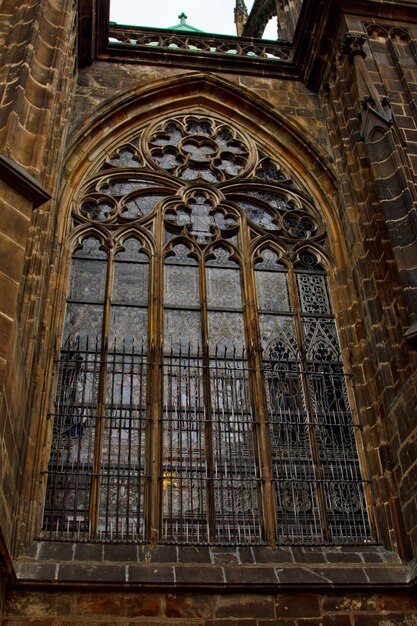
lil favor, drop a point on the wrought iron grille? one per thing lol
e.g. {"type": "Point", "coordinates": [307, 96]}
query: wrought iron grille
{"type": "Point", "coordinates": [97, 462]}
{"type": "Point", "coordinates": [209, 478]}
{"type": "Point", "coordinates": [320, 494]}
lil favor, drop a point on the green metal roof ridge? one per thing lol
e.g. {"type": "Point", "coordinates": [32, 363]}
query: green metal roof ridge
{"type": "Point", "coordinates": [183, 26]}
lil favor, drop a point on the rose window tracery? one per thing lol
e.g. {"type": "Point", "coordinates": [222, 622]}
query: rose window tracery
{"type": "Point", "coordinates": [201, 215]}
{"type": "Point", "coordinates": [192, 149]}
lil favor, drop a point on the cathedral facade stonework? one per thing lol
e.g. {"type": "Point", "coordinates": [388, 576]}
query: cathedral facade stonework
{"type": "Point", "coordinates": [208, 317]}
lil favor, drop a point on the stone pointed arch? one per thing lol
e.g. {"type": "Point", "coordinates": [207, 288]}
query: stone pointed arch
{"type": "Point", "coordinates": [203, 320]}
{"type": "Point", "coordinates": [307, 161]}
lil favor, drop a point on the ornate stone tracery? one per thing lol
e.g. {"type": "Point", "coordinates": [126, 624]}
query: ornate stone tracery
{"type": "Point", "coordinates": [206, 266]}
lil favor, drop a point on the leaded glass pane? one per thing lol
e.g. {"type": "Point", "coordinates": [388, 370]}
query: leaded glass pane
{"type": "Point", "coordinates": [270, 171]}
{"type": "Point", "coordinates": [313, 292]}
{"type": "Point", "coordinates": [88, 273]}
{"type": "Point", "coordinates": [97, 211]}
{"type": "Point", "coordinates": [181, 286]}
{"type": "Point", "coordinates": [183, 475]}
{"type": "Point", "coordinates": [128, 327]}
{"type": "Point", "coordinates": [89, 249]}
{"type": "Point", "coordinates": [88, 280]}
{"type": "Point", "coordinates": [275, 200]}
{"type": "Point", "coordinates": [198, 151]}
{"type": "Point", "coordinates": [222, 258]}
{"type": "Point", "coordinates": [235, 468]}
{"type": "Point", "coordinates": [182, 331]}
{"type": "Point", "coordinates": [83, 323]}
{"type": "Point", "coordinates": [278, 336]}
{"type": "Point", "coordinates": [258, 215]}
{"type": "Point", "coordinates": [348, 517]}
{"type": "Point", "coordinates": [180, 255]}
{"type": "Point", "coordinates": [141, 205]}
{"type": "Point", "coordinates": [272, 291]}
{"type": "Point", "coordinates": [121, 186]}
{"type": "Point", "coordinates": [121, 510]}
{"type": "Point", "coordinates": [297, 512]}
{"type": "Point", "coordinates": [223, 288]}
{"type": "Point", "coordinates": [132, 251]}
{"type": "Point", "coordinates": [321, 341]}
{"type": "Point", "coordinates": [130, 284]}
{"type": "Point", "coordinates": [126, 157]}
{"type": "Point", "coordinates": [226, 334]}
{"type": "Point", "coordinates": [71, 459]}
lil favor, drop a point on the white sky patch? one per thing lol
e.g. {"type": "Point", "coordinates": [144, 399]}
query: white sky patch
{"type": "Point", "coordinates": [215, 16]}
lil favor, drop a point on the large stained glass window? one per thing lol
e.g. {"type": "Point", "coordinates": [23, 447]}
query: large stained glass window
{"type": "Point", "coordinates": [199, 394]}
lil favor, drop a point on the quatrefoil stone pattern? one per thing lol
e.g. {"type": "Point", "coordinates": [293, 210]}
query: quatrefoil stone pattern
{"type": "Point", "coordinates": [200, 217]}
{"type": "Point", "coordinates": [193, 148]}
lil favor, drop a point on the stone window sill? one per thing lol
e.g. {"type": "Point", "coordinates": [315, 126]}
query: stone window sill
{"type": "Point", "coordinates": [210, 567]}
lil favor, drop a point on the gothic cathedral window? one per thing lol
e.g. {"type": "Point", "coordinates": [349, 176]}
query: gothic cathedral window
{"type": "Point", "coordinates": [199, 394]}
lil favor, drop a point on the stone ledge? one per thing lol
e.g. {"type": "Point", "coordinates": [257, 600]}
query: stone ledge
{"type": "Point", "coordinates": [209, 555]}
{"type": "Point", "coordinates": [205, 576]}
{"type": "Point", "coordinates": [20, 180]}
{"type": "Point", "coordinates": [211, 567]}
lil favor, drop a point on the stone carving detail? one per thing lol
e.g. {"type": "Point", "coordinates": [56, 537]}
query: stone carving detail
{"type": "Point", "coordinates": [207, 46]}
{"type": "Point", "coordinates": [275, 211]}
{"type": "Point", "coordinates": [200, 216]}
{"type": "Point", "coordinates": [126, 201]}
{"type": "Point", "coordinates": [353, 45]}
{"type": "Point", "coordinates": [375, 111]}
{"type": "Point", "coordinates": [191, 148]}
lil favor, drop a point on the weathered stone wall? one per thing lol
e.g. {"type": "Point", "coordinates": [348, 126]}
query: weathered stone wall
{"type": "Point", "coordinates": [98, 84]}
{"type": "Point", "coordinates": [35, 95]}
{"type": "Point", "coordinates": [106, 608]}
{"type": "Point", "coordinates": [384, 361]}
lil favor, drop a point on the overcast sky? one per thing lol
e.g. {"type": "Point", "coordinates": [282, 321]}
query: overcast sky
{"type": "Point", "coordinates": [214, 16]}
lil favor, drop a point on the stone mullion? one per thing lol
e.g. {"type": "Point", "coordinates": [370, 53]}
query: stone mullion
{"type": "Point", "coordinates": [208, 422]}
{"type": "Point", "coordinates": [266, 493]}
{"type": "Point", "coordinates": [155, 386]}
{"type": "Point", "coordinates": [101, 401]}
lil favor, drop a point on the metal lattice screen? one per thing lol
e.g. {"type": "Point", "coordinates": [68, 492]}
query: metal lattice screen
{"type": "Point", "coordinates": [209, 479]}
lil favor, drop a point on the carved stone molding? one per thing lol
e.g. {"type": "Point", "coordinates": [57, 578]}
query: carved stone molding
{"type": "Point", "coordinates": [23, 182]}
{"type": "Point", "coordinates": [374, 110]}
{"type": "Point", "coordinates": [353, 44]}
